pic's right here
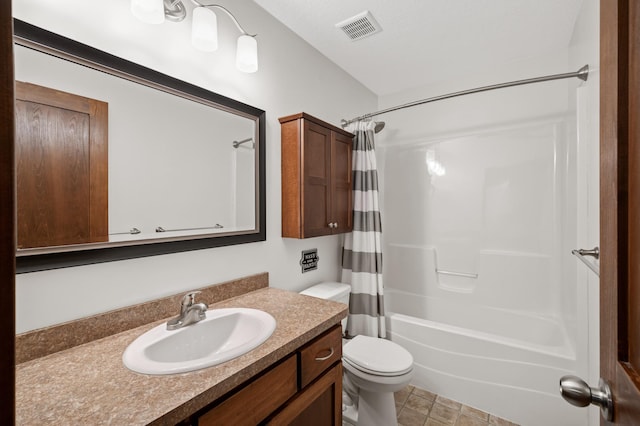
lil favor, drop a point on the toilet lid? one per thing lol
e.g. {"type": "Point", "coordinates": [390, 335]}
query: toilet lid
{"type": "Point", "coordinates": [377, 356]}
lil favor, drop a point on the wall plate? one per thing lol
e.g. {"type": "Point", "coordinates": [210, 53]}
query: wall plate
{"type": "Point", "coordinates": [309, 260]}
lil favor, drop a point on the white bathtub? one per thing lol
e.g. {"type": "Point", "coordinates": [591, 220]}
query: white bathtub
{"type": "Point", "coordinates": [500, 361]}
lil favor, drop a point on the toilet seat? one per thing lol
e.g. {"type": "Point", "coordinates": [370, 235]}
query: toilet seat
{"type": "Point", "coordinates": [361, 369]}
{"type": "Point", "coordinates": [378, 357]}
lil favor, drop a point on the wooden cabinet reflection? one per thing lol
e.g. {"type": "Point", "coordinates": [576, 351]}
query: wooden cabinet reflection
{"type": "Point", "coordinates": [61, 167]}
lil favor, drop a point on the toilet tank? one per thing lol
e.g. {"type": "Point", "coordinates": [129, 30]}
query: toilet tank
{"type": "Point", "coordinates": [338, 292]}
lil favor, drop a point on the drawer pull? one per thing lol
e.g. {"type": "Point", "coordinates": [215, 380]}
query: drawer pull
{"type": "Point", "coordinates": [324, 358]}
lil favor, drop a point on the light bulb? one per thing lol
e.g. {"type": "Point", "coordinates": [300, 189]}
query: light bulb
{"type": "Point", "coordinates": [204, 29]}
{"type": "Point", "coordinates": [247, 54]}
{"type": "Point", "coordinates": [149, 11]}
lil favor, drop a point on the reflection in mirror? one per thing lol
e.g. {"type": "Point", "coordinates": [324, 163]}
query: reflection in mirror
{"type": "Point", "coordinates": [181, 168]}
{"type": "Point", "coordinates": [172, 162]}
{"type": "Point", "coordinates": [61, 167]}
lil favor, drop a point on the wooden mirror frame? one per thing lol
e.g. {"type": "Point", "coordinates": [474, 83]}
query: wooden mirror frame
{"type": "Point", "coordinates": [69, 49]}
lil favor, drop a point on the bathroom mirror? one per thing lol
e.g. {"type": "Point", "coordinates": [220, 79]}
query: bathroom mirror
{"type": "Point", "coordinates": [185, 166]}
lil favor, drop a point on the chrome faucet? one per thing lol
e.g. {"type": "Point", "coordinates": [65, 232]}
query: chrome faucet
{"type": "Point", "coordinates": [190, 312]}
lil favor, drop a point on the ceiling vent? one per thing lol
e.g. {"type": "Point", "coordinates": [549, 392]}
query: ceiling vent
{"type": "Point", "coordinates": [360, 26]}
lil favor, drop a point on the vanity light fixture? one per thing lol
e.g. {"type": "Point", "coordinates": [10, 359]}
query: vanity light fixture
{"type": "Point", "coordinates": [204, 29]}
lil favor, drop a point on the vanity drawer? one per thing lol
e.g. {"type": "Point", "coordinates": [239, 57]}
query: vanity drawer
{"type": "Point", "coordinates": [253, 403]}
{"type": "Point", "coordinates": [319, 355]}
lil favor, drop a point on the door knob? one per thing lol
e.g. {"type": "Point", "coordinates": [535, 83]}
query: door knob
{"type": "Point", "coordinates": [577, 392]}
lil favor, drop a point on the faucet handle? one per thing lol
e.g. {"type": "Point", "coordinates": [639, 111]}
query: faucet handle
{"type": "Point", "coordinates": [189, 298]}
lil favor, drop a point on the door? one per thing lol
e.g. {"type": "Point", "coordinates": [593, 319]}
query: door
{"type": "Point", "coordinates": [7, 215]}
{"type": "Point", "coordinates": [61, 167]}
{"type": "Point", "coordinates": [319, 404]}
{"type": "Point", "coordinates": [317, 179]}
{"type": "Point", "coordinates": [341, 183]}
{"type": "Point", "coordinates": [620, 206]}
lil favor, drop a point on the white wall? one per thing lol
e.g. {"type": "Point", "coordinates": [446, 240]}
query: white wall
{"type": "Point", "coordinates": [292, 77]}
{"type": "Point", "coordinates": [471, 113]}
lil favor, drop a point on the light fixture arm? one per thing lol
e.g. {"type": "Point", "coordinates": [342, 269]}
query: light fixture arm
{"type": "Point", "coordinates": [233, 18]}
{"type": "Point", "coordinates": [174, 10]}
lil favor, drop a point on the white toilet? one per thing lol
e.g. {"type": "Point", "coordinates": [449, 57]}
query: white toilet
{"type": "Point", "coordinates": [374, 368]}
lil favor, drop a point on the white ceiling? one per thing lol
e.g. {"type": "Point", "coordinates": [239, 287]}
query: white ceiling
{"type": "Point", "coordinates": [424, 41]}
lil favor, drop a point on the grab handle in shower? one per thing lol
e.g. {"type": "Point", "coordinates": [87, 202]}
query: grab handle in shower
{"type": "Point", "coordinates": [594, 252]}
{"type": "Point", "coordinates": [457, 274]}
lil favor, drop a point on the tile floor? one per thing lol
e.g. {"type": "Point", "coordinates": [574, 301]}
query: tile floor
{"type": "Point", "coordinates": [417, 407]}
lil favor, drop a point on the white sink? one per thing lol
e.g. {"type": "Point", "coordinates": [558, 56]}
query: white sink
{"type": "Point", "coordinates": [224, 334]}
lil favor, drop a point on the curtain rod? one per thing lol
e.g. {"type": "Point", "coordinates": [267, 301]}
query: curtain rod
{"type": "Point", "coordinates": [582, 74]}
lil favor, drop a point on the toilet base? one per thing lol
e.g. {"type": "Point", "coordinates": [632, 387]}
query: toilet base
{"type": "Point", "coordinates": [376, 409]}
{"type": "Point", "coordinates": [349, 415]}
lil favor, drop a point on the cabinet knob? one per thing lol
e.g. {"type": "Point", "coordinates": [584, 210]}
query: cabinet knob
{"type": "Point", "coordinates": [332, 225]}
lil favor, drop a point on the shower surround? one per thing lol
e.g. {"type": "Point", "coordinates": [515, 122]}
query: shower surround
{"type": "Point", "coordinates": [480, 284]}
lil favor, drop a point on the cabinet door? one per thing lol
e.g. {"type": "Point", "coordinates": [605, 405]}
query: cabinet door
{"type": "Point", "coordinates": [253, 403]}
{"type": "Point", "coordinates": [61, 167]}
{"type": "Point", "coordinates": [341, 184]}
{"type": "Point", "coordinates": [320, 404]}
{"type": "Point", "coordinates": [317, 180]}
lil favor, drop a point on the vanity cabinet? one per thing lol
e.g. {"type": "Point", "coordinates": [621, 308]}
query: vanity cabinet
{"type": "Point", "coordinates": [303, 389]}
{"type": "Point", "coordinates": [317, 194]}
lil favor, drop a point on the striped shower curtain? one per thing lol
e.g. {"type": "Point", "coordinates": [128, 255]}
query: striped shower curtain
{"type": "Point", "coordinates": [362, 249]}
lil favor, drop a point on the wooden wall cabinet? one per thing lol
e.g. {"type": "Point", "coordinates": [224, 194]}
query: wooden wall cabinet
{"type": "Point", "coordinates": [61, 168]}
{"type": "Point", "coordinates": [304, 389]}
{"type": "Point", "coordinates": [317, 194]}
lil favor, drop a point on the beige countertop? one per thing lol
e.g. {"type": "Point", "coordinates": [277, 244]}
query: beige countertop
{"type": "Point", "coordinates": [89, 384]}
